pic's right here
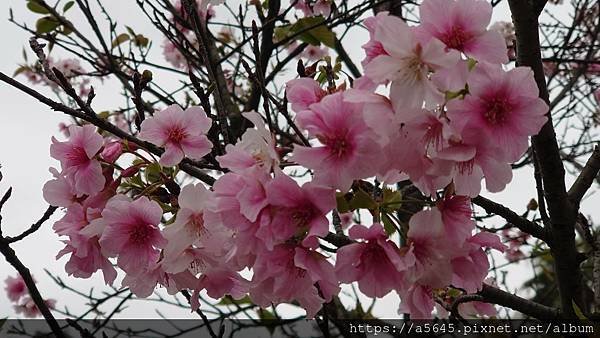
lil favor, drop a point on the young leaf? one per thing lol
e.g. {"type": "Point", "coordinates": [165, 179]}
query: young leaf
{"type": "Point", "coordinates": [46, 24]}
{"type": "Point", "coordinates": [388, 224]}
{"type": "Point", "coordinates": [362, 200]}
{"type": "Point", "coordinates": [120, 39]}
{"type": "Point", "coordinates": [36, 8]}
{"type": "Point", "coordinates": [68, 6]}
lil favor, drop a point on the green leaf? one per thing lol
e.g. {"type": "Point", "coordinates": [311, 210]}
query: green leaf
{"type": "Point", "coordinates": [362, 200]}
{"type": "Point", "coordinates": [66, 30]}
{"type": "Point", "coordinates": [314, 36]}
{"type": "Point", "coordinates": [388, 224]}
{"type": "Point", "coordinates": [228, 300]}
{"type": "Point", "coordinates": [342, 203]}
{"type": "Point", "coordinates": [152, 173]}
{"type": "Point", "coordinates": [36, 8]}
{"type": "Point", "coordinates": [578, 311]}
{"type": "Point", "coordinates": [46, 24]}
{"type": "Point", "coordinates": [130, 30]}
{"type": "Point", "coordinates": [68, 6]}
{"type": "Point", "coordinates": [392, 199]}
{"type": "Point", "coordinates": [120, 39]}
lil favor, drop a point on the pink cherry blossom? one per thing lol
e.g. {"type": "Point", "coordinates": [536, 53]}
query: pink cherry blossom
{"type": "Point", "coordinates": [28, 308]}
{"type": "Point", "coordinates": [471, 267]}
{"type": "Point", "coordinates": [182, 133]}
{"type": "Point", "coordinates": [376, 264]}
{"type": "Point", "coordinates": [373, 48]}
{"type": "Point", "coordinates": [456, 217]}
{"type": "Point", "coordinates": [461, 25]}
{"type": "Point", "coordinates": [219, 282]}
{"type": "Point", "coordinates": [87, 258]}
{"type": "Point", "coordinates": [15, 288]}
{"type": "Point", "coordinates": [417, 301]}
{"type": "Point", "coordinates": [320, 270]}
{"type": "Point", "coordinates": [303, 92]}
{"type": "Point", "coordinates": [131, 232]}
{"type": "Point", "coordinates": [407, 63]}
{"type": "Point", "coordinates": [296, 211]}
{"type": "Point", "coordinates": [347, 149]}
{"type": "Point", "coordinates": [190, 229]}
{"type": "Point", "coordinates": [432, 253]}
{"type": "Point", "coordinates": [172, 54]}
{"type": "Point", "coordinates": [77, 159]}
{"type": "Point", "coordinates": [59, 191]}
{"type": "Point", "coordinates": [504, 106]}
{"type": "Point", "coordinates": [112, 150]}
{"type": "Point", "coordinates": [488, 161]}
{"type": "Point", "coordinates": [277, 279]}
{"type": "Point", "coordinates": [256, 149]}
{"type": "Point", "coordinates": [240, 205]}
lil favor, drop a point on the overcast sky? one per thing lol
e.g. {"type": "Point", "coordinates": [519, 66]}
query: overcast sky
{"type": "Point", "coordinates": [26, 127]}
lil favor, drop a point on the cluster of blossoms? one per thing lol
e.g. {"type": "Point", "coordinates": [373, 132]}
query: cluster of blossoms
{"type": "Point", "coordinates": [319, 7]}
{"type": "Point", "coordinates": [70, 68]}
{"type": "Point", "coordinates": [453, 117]}
{"type": "Point", "coordinates": [171, 51]}
{"type": "Point", "coordinates": [16, 291]}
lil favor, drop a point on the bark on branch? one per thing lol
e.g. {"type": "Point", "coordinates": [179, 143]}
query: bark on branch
{"type": "Point", "coordinates": [511, 217]}
{"type": "Point", "coordinates": [561, 212]}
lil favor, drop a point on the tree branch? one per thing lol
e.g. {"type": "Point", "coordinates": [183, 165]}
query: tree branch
{"type": "Point", "coordinates": [11, 257]}
{"type": "Point", "coordinates": [34, 227]}
{"type": "Point", "coordinates": [511, 217]}
{"type": "Point", "coordinates": [586, 178]}
{"type": "Point", "coordinates": [561, 212]}
{"type": "Point", "coordinates": [496, 296]}
{"type": "Point", "coordinates": [186, 164]}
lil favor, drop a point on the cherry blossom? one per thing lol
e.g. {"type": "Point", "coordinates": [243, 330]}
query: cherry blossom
{"type": "Point", "coordinates": [15, 288]}
{"type": "Point", "coordinates": [407, 63]}
{"type": "Point", "coordinates": [77, 159]}
{"type": "Point", "coordinates": [503, 105]}
{"type": "Point", "coordinates": [131, 233]}
{"type": "Point", "coordinates": [256, 149]}
{"type": "Point", "coordinates": [181, 132]}
{"type": "Point", "coordinates": [461, 25]}
{"type": "Point", "coordinates": [296, 211]}
{"type": "Point", "coordinates": [376, 264]}
{"type": "Point", "coordinates": [346, 147]}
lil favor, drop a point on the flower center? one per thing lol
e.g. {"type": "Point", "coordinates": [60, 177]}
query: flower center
{"type": "Point", "coordinates": [456, 38]}
{"type": "Point", "coordinates": [496, 110]}
{"type": "Point", "coordinates": [338, 145]}
{"type": "Point", "coordinates": [301, 217]}
{"type": "Point", "coordinates": [77, 156]}
{"type": "Point", "coordinates": [433, 134]}
{"type": "Point", "coordinates": [373, 253]}
{"type": "Point", "coordinates": [140, 234]}
{"type": "Point", "coordinates": [197, 225]}
{"type": "Point", "coordinates": [466, 167]}
{"type": "Point", "coordinates": [176, 134]}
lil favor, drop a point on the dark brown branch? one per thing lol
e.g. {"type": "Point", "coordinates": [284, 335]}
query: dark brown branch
{"type": "Point", "coordinates": [561, 212]}
{"type": "Point", "coordinates": [511, 217]}
{"type": "Point", "coordinates": [496, 296]}
{"type": "Point", "coordinates": [186, 164]}
{"type": "Point", "coordinates": [11, 257]}
{"type": "Point", "coordinates": [586, 178]}
{"type": "Point", "coordinates": [34, 227]}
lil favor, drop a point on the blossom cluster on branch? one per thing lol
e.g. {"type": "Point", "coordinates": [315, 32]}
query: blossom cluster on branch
{"type": "Point", "coordinates": [454, 115]}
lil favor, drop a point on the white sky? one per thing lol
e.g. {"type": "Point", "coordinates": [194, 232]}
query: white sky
{"type": "Point", "coordinates": [26, 127]}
